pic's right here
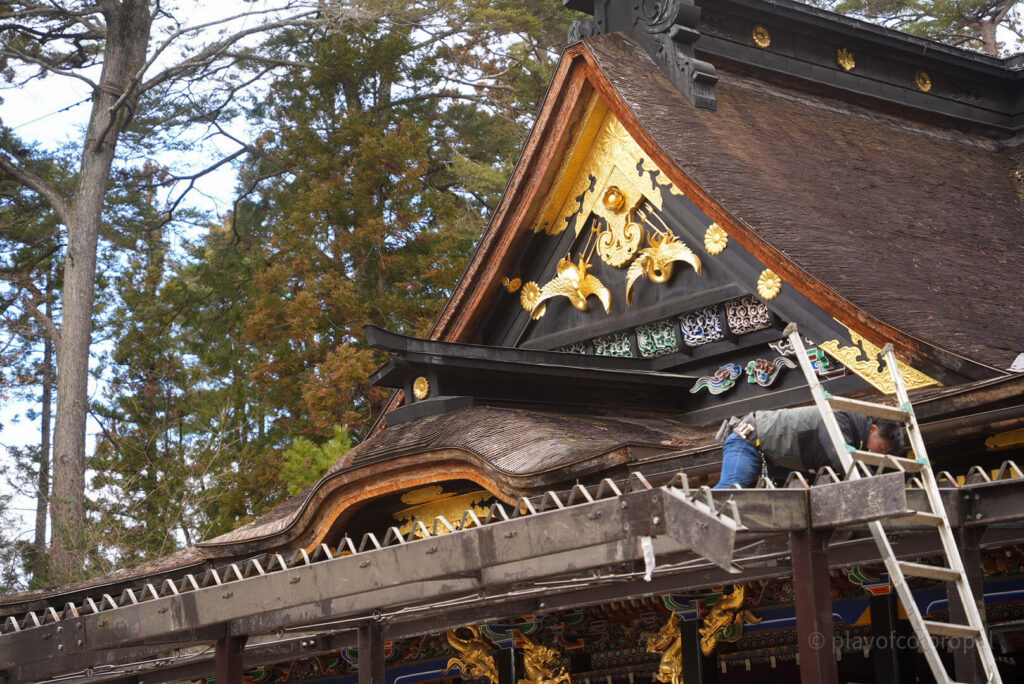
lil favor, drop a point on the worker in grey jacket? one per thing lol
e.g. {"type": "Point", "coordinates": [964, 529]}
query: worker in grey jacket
{"type": "Point", "coordinates": [796, 439]}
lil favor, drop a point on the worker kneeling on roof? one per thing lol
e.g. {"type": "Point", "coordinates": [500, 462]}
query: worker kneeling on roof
{"type": "Point", "coordinates": [778, 442]}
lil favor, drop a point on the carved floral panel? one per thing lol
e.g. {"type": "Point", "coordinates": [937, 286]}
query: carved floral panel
{"type": "Point", "coordinates": [615, 344]}
{"type": "Point", "coordinates": [657, 338]}
{"type": "Point", "coordinates": [701, 326]}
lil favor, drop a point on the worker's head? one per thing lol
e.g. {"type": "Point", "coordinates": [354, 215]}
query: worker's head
{"type": "Point", "coordinates": [887, 437]}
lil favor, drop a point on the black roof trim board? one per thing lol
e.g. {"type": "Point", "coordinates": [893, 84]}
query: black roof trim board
{"type": "Point", "coordinates": [975, 90]}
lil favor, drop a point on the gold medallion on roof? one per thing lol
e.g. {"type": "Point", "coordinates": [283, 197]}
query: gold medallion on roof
{"type": "Point", "coordinates": [421, 388]}
{"type": "Point", "coordinates": [844, 56]}
{"type": "Point", "coordinates": [760, 37]}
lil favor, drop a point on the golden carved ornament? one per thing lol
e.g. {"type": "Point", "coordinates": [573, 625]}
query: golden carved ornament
{"type": "Point", "coordinates": [421, 388]}
{"type": "Point", "coordinates": [1005, 440]}
{"type": "Point", "coordinates": [844, 56]}
{"type": "Point", "coordinates": [866, 364]}
{"type": "Point", "coordinates": [922, 81]}
{"type": "Point", "coordinates": [539, 663]}
{"type": "Point", "coordinates": [715, 239]}
{"type": "Point", "coordinates": [426, 504]}
{"type": "Point", "coordinates": [528, 298]}
{"type": "Point", "coordinates": [669, 643]}
{"type": "Point", "coordinates": [601, 157]}
{"type": "Point", "coordinates": [574, 283]}
{"type": "Point", "coordinates": [512, 284]}
{"type": "Point", "coordinates": [619, 243]}
{"type": "Point", "coordinates": [656, 262]}
{"type": "Point", "coordinates": [760, 37]}
{"type": "Point", "coordinates": [769, 284]}
{"type": "Point", "coordinates": [475, 660]}
{"type": "Point", "coordinates": [727, 614]}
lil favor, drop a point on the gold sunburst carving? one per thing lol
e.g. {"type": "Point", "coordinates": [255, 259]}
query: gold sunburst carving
{"type": "Point", "coordinates": [769, 284]}
{"type": "Point", "coordinates": [715, 239]}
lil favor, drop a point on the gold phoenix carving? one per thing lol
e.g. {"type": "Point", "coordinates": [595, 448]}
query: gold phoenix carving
{"type": "Point", "coordinates": [656, 262]}
{"type": "Point", "coordinates": [866, 364]}
{"type": "Point", "coordinates": [715, 239]}
{"type": "Point", "coordinates": [601, 156]}
{"type": "Point", "coordinates": [539, 662]}
{"type": "Point", "coordinates": [475, 660]}
{"type": "Point", "coordinates": [669, 643]}
{"type": "Point", "coordinates": [576, 284]}
{"type": "Point", "coordinates": [728, 613]}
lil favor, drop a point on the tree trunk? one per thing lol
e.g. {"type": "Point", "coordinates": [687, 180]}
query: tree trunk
{"type": "Point", "coordinates": [38, 568]}
{"type": "Point", "coordinates": [128, 26]}
{"type": "Point", "coordinates": [989, 43]}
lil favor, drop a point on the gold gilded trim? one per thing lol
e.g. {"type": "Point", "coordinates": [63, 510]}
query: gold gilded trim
{"type": "Point", "coordinates": [844, 56]}
{"type": "Point", "coordinates": [421, 388]}
{"type": "Point", "coordinates": [716, 239]}
{"type": "Point", "coordinates": [866, 364]}
{"type": "Point", "coordinates": [601, 157]}
{"type": "Point", "coordinates": [769, 284]}
{"type": "Point", "coordinates": [760, 37]}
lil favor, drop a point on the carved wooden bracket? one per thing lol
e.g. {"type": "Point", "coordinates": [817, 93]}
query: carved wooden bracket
{"type": "Point", "coordinates": [665, 28]}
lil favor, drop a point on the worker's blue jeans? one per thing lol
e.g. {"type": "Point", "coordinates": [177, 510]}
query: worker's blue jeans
{"type": "Point", "coordinates": [741, 464]}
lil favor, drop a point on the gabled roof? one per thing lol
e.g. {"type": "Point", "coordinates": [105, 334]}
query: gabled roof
{"type": "Point", "coordinates": [902, 231]}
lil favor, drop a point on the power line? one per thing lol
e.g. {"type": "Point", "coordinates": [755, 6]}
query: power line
{"type": "Point", "coordinates": [45, 116]}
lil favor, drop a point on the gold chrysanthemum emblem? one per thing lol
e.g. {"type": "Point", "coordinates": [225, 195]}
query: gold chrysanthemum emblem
{"type": "Point", "coordinates": [923, 81]}
{"type": "Point", "coordinates": [421, 388]}
{"type": "Point", "coordinates": [529, 295]}
{"type": "Point", "coordinates": [715, 239]}
{"type": "Point", "coordinates": [844, 56]}
{"type": "Point", "coordinates": [760, 36]}
{"type": "Point", "coordinates": [769, 284]}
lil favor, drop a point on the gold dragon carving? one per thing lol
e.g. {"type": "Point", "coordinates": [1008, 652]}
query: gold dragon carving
{"type": "Point", "coordinates": [539, 662]}
{"type": "Point", "coordinates": [726, 620]}
{"type": "Point", "coordinates": [475, 660]}
{"type": "Point", "coordinates": [866, 364]}
{"type": "Point", "coordinates": [669, 643]}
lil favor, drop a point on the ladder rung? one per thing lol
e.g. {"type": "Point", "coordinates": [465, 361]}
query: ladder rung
{"type": "Point", "coordinates": [874, 459]}
{"type": "Point", "coordinates": [930, 571]}
{"type": "Point", "coordinates": [951, 629]}
{"type": "Point", "coordinates": [867, 408]}
{"type": "Point", "coordinates": [922, 518]}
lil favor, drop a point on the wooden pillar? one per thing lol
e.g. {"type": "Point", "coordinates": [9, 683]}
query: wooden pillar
{"type": "Point", "coordinates": [507, 661]}
{"type": "Point", "coordinates": [371, 653]}
{"type": "Point", "coordinates": [808, 550]}
{"type": "Point", "coordinates": [697, 667]}
{"type": "Point", "coordinates": [892, 641]}
{"type": "Point", "coordinates": [229, 667]}
{"type": "Point", "coordinates": [965, 657]}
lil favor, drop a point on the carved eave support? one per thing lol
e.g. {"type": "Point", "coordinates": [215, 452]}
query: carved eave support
{"type": "Point", "coordinates": [665, 28]}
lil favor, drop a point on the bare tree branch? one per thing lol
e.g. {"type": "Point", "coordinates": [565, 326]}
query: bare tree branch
{"type": "Point", "coordinates": [37, 183]}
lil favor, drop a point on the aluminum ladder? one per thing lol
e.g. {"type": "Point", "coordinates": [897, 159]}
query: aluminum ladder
{"type": "Point", "coordinates": [857, 463]}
